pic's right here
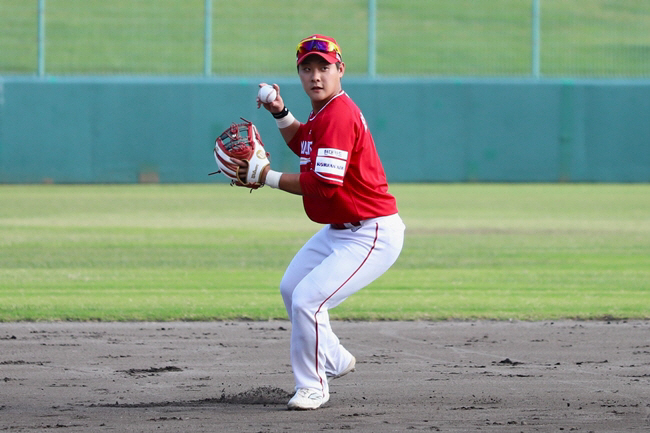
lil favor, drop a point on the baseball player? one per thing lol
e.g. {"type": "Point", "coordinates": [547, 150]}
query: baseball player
{"type": "Point", "coordinates": [343, 185]}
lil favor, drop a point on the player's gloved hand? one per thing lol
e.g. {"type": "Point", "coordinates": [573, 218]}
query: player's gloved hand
{"type": "Point", "coordinates": [244, 169]}
{"type": "Point", "coordinates": [241, 156]}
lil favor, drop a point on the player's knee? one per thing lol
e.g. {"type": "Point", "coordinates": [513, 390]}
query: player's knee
{"type": "Point", "coordinates": [286, 290]}
{"type": "Point", "coordinates": [305, 299]}
{"type": "Point", "coordinates": [298, 303]}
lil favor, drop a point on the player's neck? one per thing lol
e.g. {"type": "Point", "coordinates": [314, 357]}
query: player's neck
{"type": "Point", "coordinates": [317, 106]}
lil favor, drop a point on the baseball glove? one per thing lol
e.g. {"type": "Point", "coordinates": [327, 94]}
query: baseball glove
{"type": "Point", "coordinates": [241, 141]}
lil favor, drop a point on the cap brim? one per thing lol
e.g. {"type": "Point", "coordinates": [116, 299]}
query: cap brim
{"type": "Point", "coordinates": [328, 57]}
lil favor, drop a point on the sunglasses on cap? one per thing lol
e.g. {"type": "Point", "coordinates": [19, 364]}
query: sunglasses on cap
{"type": "Point", "coordinates": [317, 44]}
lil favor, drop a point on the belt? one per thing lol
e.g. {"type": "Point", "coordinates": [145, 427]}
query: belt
{"type": "Point", "coordinates": [344, 226]}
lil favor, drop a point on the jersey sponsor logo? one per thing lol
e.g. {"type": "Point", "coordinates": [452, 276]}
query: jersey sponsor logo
{"type": "Point", "coordinates": [334, 153]}
{"type": "Point", "coordinates": [333, 166]}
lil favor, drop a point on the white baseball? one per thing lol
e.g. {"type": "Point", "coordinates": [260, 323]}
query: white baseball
{"type": "Point", "coordinates": [267, 94]}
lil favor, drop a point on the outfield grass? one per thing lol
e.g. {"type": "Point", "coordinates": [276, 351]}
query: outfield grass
{"type": "Point", "coordinates": [419, 37]}
{"type": "Point", "coordinates": [203, 252]}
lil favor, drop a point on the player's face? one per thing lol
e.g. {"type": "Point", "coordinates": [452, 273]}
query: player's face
{"type": "Point", "coordinates": [321, 80]}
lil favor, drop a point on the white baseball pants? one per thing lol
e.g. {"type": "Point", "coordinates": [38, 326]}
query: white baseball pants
{"type": "Point", "coordinates": [331, 266]}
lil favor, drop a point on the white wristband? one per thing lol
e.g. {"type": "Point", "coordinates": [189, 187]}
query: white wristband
{"type": "Point", "coordinates": [273, 179]}
{"type": "Point", "coordinates": [285, 121]}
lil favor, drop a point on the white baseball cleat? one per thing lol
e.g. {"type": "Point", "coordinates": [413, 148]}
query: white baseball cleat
{"type": "Point", "coordinates": [350, 368]}
{"type": "Point", "coordinates": [307, 399]}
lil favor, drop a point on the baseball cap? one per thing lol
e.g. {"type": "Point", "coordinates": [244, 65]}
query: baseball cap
{"type": "Point", "coordinates": [324, 46]}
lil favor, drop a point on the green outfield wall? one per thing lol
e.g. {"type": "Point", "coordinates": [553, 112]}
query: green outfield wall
{"type": "Point", "coordinates": [127, 130]}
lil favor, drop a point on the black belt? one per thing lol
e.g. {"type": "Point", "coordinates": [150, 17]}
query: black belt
{"type": "Point", "coordinates": [346, 225]}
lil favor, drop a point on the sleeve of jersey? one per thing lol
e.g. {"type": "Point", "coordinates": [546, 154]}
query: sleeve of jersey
{"type": "Point", "coordinates": [333, 147]}
{"type": "Point", "coordinates": [294, 143]}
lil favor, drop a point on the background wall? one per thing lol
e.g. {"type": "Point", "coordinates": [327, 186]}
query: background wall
{"type": "Point", "coordinates": [454, 90]}
{"type": "Point", "coordinates": [118, 130]}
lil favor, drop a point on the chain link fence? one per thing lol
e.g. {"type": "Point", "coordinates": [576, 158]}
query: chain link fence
{"type": "Point", "coordinates": [412, 38]}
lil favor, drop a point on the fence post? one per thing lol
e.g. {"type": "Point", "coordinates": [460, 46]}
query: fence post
{"type": "Point", "coordinates": [536, 36]}
{"type": "Point", "coordinates": [41, 38]}
{"type": "Point", "coordinates": [207, 39]}
{"type": "Point", "coordinates": [372, 38]}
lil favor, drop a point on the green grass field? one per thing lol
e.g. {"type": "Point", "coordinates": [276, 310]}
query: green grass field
{"type": "Point", "coordinates": [596, 38]}
{"type": "Point", "coordinates": [205, 252]}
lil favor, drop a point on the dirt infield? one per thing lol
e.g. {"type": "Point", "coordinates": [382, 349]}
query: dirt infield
{"type": "Point", "coordinates": [563, 376]}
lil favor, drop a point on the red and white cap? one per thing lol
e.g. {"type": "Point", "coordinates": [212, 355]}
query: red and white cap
{"type": "Point", "coordinates": [321, 45]}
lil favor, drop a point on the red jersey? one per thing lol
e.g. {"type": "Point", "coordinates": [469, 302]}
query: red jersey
{"type": "Point", "coordinates": [341, 176]}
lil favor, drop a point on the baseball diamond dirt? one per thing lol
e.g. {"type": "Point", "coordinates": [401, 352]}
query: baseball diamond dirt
{"type": "Point", "coordinates": [552, 376]}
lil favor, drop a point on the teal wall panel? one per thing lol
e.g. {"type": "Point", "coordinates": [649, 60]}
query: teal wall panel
{"type": "Point", "coordinates": [123, 130]}
{"type": "Point", "coordinates": [617, 133]}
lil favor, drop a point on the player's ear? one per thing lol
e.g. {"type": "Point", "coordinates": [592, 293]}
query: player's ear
{"type": "Point", "coordinates": [341, 67]}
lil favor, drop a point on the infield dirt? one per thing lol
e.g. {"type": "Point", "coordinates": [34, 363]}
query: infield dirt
{"type": "Point", "coordinates": [561, 376]}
